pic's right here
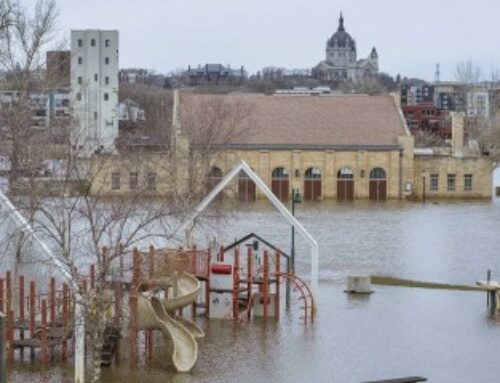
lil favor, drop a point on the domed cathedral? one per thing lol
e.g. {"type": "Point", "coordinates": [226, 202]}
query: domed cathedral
{"type": "Point", "coordinates": [341, 58]}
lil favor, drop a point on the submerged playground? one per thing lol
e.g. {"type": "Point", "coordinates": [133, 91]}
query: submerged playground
{"type": "Point", "coordinates": [396, 331]}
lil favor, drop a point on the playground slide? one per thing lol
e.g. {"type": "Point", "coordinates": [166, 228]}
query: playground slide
{"type": "Point", "coordinates": [154, 313]}
{"type": "Point", "coordinates": [188, 288]}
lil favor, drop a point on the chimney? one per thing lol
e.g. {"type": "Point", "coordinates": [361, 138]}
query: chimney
{"type": "Point", "coordinates": [457, 133]}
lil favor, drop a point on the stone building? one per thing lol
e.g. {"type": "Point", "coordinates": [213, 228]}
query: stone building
{"type": "Point", "coordinates": [326, 147]}
{"type": "Point", "coordinates": [341, 61]}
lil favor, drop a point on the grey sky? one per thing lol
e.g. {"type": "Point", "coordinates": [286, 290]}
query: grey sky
{"type": "Point", "coordinates": [410, 35]}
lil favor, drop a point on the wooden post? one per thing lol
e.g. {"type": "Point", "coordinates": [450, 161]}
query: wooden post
{"type": "Point", "coordinates": [149, 333]}
{"type": "Point", "coordinates": [84, 286]}
{"type": "Point", "coordinates": [151, 259]}
{"type": "Point", "coordinates": [3, 354]}
{"type": "Point", "coordinates": [21, 311]}
{"type": "Point", "coordinates": [120, 249]}
{"type": "Point", "coordinates": [249, 278]}
{"type": "Point", "coordinates": [105, 262]}
{"type": "Point", "coordinates": [65, 320]}
{"type": "Point", "coordinates": [2, 281]}
{"type": "Point", "coordinates": [221, 254]}
{"type": "Point", "coordinates": [8, 288]}
{"type": "Point", "coordinates": [52, 302]}
{"type": "Point", "coordinates": [10, 335]}
{"type": "Point", "coordinates": [118, 311]}
{"type": "Point", "coordinates": [278, 286]}
{"type": "Point", "coordinates": [32, 307]}
{"type": "Point", "coordinates": [133, 307]}
{"type": "Point", "coordinates": [265, 284]}
{"type": "Point", "coordinates": [236, 283]}
{"type": "Point", "coordinates": [44, 352]}
{"type": "Point", "coordinates": [207, 285]}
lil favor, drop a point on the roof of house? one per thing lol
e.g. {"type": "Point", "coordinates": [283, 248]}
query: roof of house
{"type": "Point", "coordinates": [296, 122]}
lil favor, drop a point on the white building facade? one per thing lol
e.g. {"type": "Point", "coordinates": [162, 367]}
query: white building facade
{"type": "Point", "coordinates": [94, 87]}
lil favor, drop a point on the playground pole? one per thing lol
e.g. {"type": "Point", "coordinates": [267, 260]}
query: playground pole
{"type": "Point", "coordinates": [3, 355]}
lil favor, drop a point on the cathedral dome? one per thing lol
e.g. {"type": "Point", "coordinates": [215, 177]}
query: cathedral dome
{"type": "Point", "coordinates": [341, 39]}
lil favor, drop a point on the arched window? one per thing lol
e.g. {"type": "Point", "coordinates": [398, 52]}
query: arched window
{"type": "Point", "coordinates": [312, 184]}
{"type": "Point", "coordinates": [378, 185]}
{"type": "Point", "coordinates": [280, 184]}
{"type": "Point", "coordinates": [312, 174]}
{"type": "Point", "coordinates": [280, 173]}
{"type": "Point", "coordinates": [377, 174]}
{"type": "Point", "coordinates": [345, 173]}
{"type": "Point", "coordinates": [246, 188]}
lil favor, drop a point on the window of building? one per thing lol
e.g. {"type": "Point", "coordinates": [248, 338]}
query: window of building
{"type": "Point", "coordinates": [106, 96]}
{"type": "Point", "coordinates": [96, 77]}
{"type": "Point", "coordinates": [95, 115]}
{"type": "Point", "coordinates": [79, 96]}
{"type": "Point", "coordinates": [80, 80]}
{"type": "Point", "coordinates": [434, 186]}
{"type": "Point", "coordinates": [133, 178]}
{"type": "Point", "coordinates": [451, 185]}
{"type": "Point", "coordinates": [80, 60]}
{"type": "Point", "coordinates": [467, 182]}
{"type": "Point", "coordinates": [115, 181]}
{"type": "Point", "coordinates": [151, 181]}
{"type": "Point", "coordinates": [80, 42]}
{"type": "Point", "coordinates": [106, 43]}
{"type": "Point", "coordinates": [106, 60]}
{"type": "Point", "coordinates": [106, 80]}
{"type": "Point", "coordinates": [92, 42]}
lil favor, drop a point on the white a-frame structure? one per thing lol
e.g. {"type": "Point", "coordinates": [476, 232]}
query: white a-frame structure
{"type": "Point", "coordinates": [79, 331]}
{"type": "Point", "coordinates": [243, 166]}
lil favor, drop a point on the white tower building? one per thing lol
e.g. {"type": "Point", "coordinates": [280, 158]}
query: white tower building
{"type": "Point", "coordinates": [94, 87]}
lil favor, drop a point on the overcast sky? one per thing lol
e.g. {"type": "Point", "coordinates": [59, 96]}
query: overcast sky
{"type": "Point", "coordinates": [410, 35]}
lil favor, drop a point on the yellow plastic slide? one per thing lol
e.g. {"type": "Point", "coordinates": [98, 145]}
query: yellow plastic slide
{"type": "Point", "coordinates": [153, 312]}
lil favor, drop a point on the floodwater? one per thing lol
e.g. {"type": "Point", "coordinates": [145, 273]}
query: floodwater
{"type": "Point", "coordinates": [445, 336]}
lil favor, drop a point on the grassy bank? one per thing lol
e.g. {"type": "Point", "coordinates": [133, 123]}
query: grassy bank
{"type": "Point", "coordinates": [390, 281]}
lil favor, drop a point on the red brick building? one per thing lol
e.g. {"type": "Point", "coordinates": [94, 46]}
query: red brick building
{"type": "Point", "coordinates": [427, 118]}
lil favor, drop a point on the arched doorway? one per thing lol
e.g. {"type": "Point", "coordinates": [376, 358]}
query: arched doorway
{"type": "Point", "coordinates": [312, 184]}
{"type": "Point", "coordinates": [345, 184]}
{"type": "Point", "coordinates": [280, 183]}
{"type": "Point", "coordinates": [378, 184]}
{"type": "Point", "coordinates": [214, 176]}
{"type": "Point", "coordinates": [246, 188]}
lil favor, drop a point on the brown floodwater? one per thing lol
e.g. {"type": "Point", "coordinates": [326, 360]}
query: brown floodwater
{"type": "Point", "coordinates": [445, 336]}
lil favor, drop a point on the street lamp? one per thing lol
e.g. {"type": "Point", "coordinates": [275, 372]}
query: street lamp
{"type": "Point", "coordinates": [423, 174]}
{"type": "Point", "coordinates": [296, 198]}
{"type": "Point", "coordinates": [291, 262]}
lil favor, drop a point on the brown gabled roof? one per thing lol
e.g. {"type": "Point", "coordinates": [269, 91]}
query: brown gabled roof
{"type": "Point", "coordinates": [288, 122]}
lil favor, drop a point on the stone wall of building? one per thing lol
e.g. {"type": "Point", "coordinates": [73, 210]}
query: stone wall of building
{"type": "Point", "coordinates": [440, 166]}
{"type": "Point", "coordinates": [329, 162]}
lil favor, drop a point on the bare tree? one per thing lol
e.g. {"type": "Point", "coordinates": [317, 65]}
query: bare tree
{"type": "Point", "coordinates": [468, 75]}
{"type": "Point", "coordinates": [209, 123]}
{"type": "Point", "coordinates": [22, 46]}
{"type": "Point", "coordinates": [426, 139]}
